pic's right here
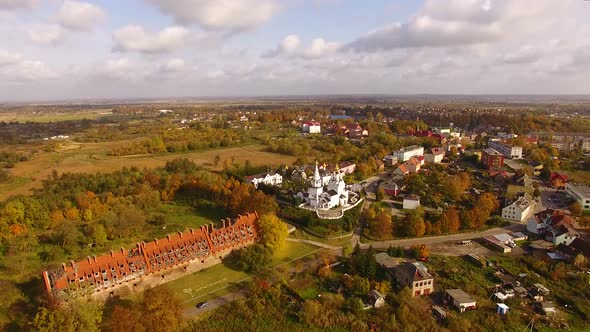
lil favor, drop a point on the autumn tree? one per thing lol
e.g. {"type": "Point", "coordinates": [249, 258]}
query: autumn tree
{"type": "Point", "coordinates": [415, 225]}
{"type": "Point", "coordinates": [273, 231]}
{"type": "Point", "coordinates": [161, 310]}
{"type": "Point", "coordinates": [575, 208]}
{"type": "Point", "coordinates": [381, 226]}
{"type": "Point", "coordinates": [450, 221]}
{"type": "Point", "coordinates": [74, 316]}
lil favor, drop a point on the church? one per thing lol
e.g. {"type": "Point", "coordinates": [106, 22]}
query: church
{"type": "Point", "coordinates": [322, 195]}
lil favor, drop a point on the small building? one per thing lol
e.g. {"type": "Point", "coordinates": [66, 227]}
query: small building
{"type": "Point", "coordinates": [519, 236]}
{"type": "Point", "coordinates": [389, 187]}
{"type": "Point", "coordinates": [435, 155]}
{"type": "Point", "coordinates": [411, 202]}
{"type": "Point", "coordinates": [269, 179]}
{"type": "Point", "coordinates": [502, 309]}
{"type": "Point", "coordinates": [409, 166]}
{"type": "Point", "coordinates": [548, 308]}
{"type": "Point", "coordinates": [438, 312]}
{"type": "Point", "coordinates": [460, 300]}
{"type": "Point", "coordinates": [416, 277]}
{"type": "Point", "coordinates": [499, 243]}
{"type": "Point", "coordinates": [377, 299]}
{"type": "Point", "coordinates": [580, 193]}
{"type": "Point", "coordinates": [558, 181]}
{"type": "Point", "coordinates": [312, 127]}
{"type": "Point", "coordinates": [492, 159]}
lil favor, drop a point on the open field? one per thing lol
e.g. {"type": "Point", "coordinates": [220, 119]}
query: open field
{"type": "Point", "coordinates": [219, 279]}
{"type": "Point", "coordinates": [54, 116]}
{"type": "Point", "coordinates": [91, 158]}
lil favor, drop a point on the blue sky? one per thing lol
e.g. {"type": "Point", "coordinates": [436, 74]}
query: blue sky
{"type": "Point", "coordinates": [73, 49]}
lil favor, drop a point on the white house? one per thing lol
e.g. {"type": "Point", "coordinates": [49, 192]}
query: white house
{"type": "Point", "coordinates": [460, 300]}
{"type": "Point", "coordinates": [312, 127]}
{"type": "Point", "coordinates": [269, 179]}
{"type": "Point", "coordinates": [435, 155]}
{"type": "Point", "coordinates": [580, 193]}
{"type": "Point", "coordinates": [520, 210]}
{"type": "Point", "coordinates": [408, 152]}
{"type": "Point", "coordinates": [554, 226]}
{"type": "Point", "coordinates": [411, 202]}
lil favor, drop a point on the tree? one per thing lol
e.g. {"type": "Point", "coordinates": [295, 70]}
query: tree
{"type": "Point", "coordinates": [74, 316]}
{"type": "Point", "coordinates": [380, 194]}
{"type": "Point", "coordinates": [273, 231]}
{"type": "Point", "coordinates": [575, 208]}
{"type": "Point", "coordinates": [124, 319]}
{"type": "Point", "coordinates": [381, 226]}
{"type": "Point", "coordinates": [254, 258]}
{"type": "Point", "coordinates": [415, 223]}
{"type": "Point", "coordinates": [580, 261]}
{"type": "Point", "coordinates": [450, 221]}
{"type": "Point", "coordinates": [161, 310]}
{"type": "Point", "coordinates": [360, 286]}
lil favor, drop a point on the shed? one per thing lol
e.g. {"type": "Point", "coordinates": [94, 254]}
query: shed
{"type": "Point", "coordinates": [460, 300]}
{"type": "Point", "coordinates": [501, 308]}
{"type": "Point", "coordinates": [548, 308]}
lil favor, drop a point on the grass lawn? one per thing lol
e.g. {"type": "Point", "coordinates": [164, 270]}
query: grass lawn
{"type": "Point", "coordinates": [219, 279]}
{"type": "Point", "coordinates": [299, 234]}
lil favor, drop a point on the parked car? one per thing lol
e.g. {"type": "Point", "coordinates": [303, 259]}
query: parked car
{"type": "Point", "coordinates": [202, 305]}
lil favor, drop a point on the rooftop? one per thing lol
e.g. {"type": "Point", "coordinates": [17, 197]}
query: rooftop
{"type": "Point", "coordinates": [410, 148]}
{"type": "Point", "coordinates": [580, 189]}
{"type": "Point", "coordinates": [492, 152]}
{"type": "Point", "coordinates": [460, 296]}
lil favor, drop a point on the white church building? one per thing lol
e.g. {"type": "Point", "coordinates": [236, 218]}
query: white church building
{"type": "Point", "coordinates": [321, 195]}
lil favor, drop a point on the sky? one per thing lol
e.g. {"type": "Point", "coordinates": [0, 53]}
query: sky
{"type": "Point", "coordinates": [95, 49]}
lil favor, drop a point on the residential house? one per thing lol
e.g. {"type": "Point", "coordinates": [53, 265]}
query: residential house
{"type": "Point", "coordinates": [579, 246]}
{"type": "Point", "coordinates": [492, 159]}
{"type": "Point", "coordinates": [269, 179]}
{"type": "Point", "coordinates": [312, 127]}
{"type": "Point", "coordinates": [410, 166]}
{"type": "Point", "coordinates": [411, 202]}
{"type": "Point", "coordinates": [390, 187]}
{"type": "Point", "coordinates": [355, 131]}
{"type": "Point", "coordinates": [416, 277]}
{"type": "Point", "coordinates": [557, 181]}
{"type": "Point", "coordinates": [460, 300]}
{"type": "Point", "coordinates": [554, 226]}
{"type": "Point", "coordinates": [580, 193]}
{"type": "Point", "coordinates": [435, 155]}
{"type": "Point", "coordinates": [520, 209]}
{"type": "Point", "coordinates": [406, 153]}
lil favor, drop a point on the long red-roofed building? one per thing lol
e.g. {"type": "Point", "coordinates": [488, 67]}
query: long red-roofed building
{"type": "Point", "coordinates": [117, 267]}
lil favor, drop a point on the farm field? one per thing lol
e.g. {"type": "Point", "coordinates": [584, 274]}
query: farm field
{"type": "Point", "coordinates": [54, 116]}
{"type": "Point", "coordinates": [219, 279]}
{"type": "Point", "coordinates": [91, 158]}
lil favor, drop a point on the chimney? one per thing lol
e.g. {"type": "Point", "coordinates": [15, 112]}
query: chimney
{"type": "Point", "coordinates": [88, 258]}
{"type": "Point", "coordinates": [180, 234]}
{"type": "Point", "coordinates": [228, 222]}
{"type": "Point", "coordinates": [192, 231]}
{"type": "Point", "coordinates": [212, 227]}
{"type": "Point", "coordinates": [223, 222]}
{"type": "Point", "coordinates": [168, 237]}
{"type": "Point", "coordinates": [156, 241]}
{"type": "Point", "coordinates": [94, 257]}
{"type": "Point", "coordinates": [122, 251]}
{"type": "Point", "coordinates": [64, 267]}
{"type": "Point", "coordinates": [112, 254]}
{"type": "Point", "coordinates": [73, 264]}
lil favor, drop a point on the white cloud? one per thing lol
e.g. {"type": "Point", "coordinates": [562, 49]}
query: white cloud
{"type": "Point", "coordinates": [173, 66]}
{"type": "Point", "coordinates": [290, 47]}
{"type": "Point", "coordinates": [319, 47]}
{"type": "Point", "coordinates": [7, 58]}
{"type": "Point", "coordinates": [135, 38]}
{"type": "Point", "coordinates": [77, 15]}
{"type": "Point", "coordinates": [462, 22]}
{"type": "Point", "coordinates": [17, 4]}
{"type": "Point", "coordinates": [45, 34]}
{"type": "Point", "coordinates": [232, 15]}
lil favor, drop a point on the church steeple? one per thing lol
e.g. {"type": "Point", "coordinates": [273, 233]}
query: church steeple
{"type": "Point", "coordinates": [317, 180]}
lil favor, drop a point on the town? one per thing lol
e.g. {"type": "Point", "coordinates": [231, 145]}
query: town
{"type": "Point", "coordinates": [351, 212]}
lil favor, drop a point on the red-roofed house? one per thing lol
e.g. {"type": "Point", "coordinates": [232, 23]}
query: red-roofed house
{"type": "Point", "coordinates": [557, 180]}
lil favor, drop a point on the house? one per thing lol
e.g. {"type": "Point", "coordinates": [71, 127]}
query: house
{"type": "Point", "coordinates": [557, 181]}
{"type": "Point", "coordinates": [347, 167]}
{"type": "Point", "coordinates": [389, 160]}
{"type": "Point", "coordinates": [406, 153]}
{"type": "Point", "coordinates": [508, 150]}
{"type": "Point", "coordinates": [438, 312]}
{"type": "Point", "coordinates": [416, 277]}
{"type": "Point", "coordinates": [410, 166]}
{"type": "Point", "coordinates": [312, 127]}
{"type": "Point", "coordinates": [519, 210]}
{"type": "Point", "coordinates": [580, 193]}
{"type": "Point", "coordinates": [435, 155]}
{"type": "Point", "coordinates": [355, 131]}
{"type": "Point", "coordinates": [269, 179]}
{"type": "Point", "coordinates": [411, 202]}
{"type": "Point", "coordinates": [377, 299]}
{"type": "Point", "coordinates": [578, 246]}
{"type": "Point", "coordinates": [554, 226]}
{"type": "Point", "coordinates": [492, 159]}
{"type": "Point", "coordinates": [460, 300]}
{"type": "Point", "coordinates": [389, 187]}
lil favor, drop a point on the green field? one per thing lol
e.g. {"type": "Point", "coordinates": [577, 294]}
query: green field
{"type": "Point", "coordinates": [219, 279]}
